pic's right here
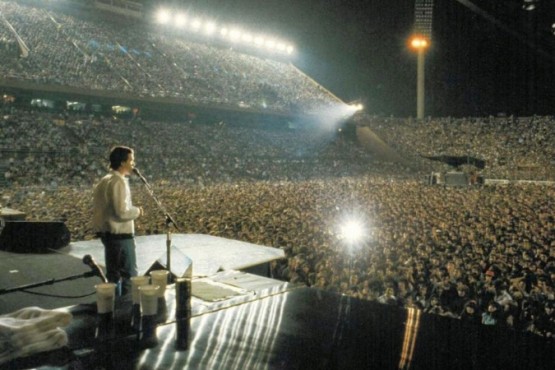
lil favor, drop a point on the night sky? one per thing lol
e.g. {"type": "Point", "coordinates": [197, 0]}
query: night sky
{"type": "Point", "coordinates": [358, 50]}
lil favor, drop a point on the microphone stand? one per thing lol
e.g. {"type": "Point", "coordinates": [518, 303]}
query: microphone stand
{"type": "Point", "coordinates": [47, 282]}
{"type": "Point", "coordinates": [169, 220]}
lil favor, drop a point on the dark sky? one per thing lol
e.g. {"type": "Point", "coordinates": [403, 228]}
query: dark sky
{"type": "Point", "coordinates": [358, 50]}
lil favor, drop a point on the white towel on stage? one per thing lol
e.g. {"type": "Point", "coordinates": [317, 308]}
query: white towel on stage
{"type": "Point", "coordinates": [31, 330]}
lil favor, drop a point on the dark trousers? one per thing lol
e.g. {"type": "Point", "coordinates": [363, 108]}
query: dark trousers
{"type": "Point", "coordinates": [121, 261]}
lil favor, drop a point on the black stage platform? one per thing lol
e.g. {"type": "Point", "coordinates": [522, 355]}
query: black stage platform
{"type": "Point", "coordinates": [253, 322]}
{"type": "Point", "coordinates": [300, 328]}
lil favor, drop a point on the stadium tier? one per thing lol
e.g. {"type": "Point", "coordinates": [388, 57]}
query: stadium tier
{"type": "Point", "coordinates": [93, 52]}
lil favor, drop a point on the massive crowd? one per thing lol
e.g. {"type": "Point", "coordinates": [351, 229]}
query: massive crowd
{"type": "Point", "coordinates": [46, 148]}
{"type": "Point", "coordinates": [512, 147]}
{"type": "Point", "coordinates": [484, 254]}
{"type": "Point", "coordinates": [75, 50]}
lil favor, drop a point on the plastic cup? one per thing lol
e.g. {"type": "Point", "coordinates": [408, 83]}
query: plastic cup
{"type": "Point", "coordinates": [136, 282]}
{"type": "Point", "coordinates": [149, 299]}
{"type": "Point", "coordinates": [105, 297]}
{"type": "Point", "coordinates": [160, 278]}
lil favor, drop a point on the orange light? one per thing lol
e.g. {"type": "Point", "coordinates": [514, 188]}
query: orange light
{"type": "Point", "coordinates": [419, 42]}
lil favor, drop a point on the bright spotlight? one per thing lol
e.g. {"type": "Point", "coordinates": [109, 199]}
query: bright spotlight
{"type": "Point", "coordinates": [270, 44]}
{"type": "Point", "coordinates": [210, 28]}
{"type": "Point", "coordinates": [246, 37]}
{"type": "Point", "coordinates": [224, 31]}
{"type": "Point", "coordinates": [352, 231]}
{"type": "Point", "coordinates": [289, 49]}
{"type": "Point", "coordinates": [259, 40]}
{"type": "Point", "coordinates": [235, 35]}
{"type": "Point", "coordinates": [419, 42]}
{"type": "Point", "coordinates": [197, 23]}
{"type": "Point", "coordinates": [180, 20]}
{"type": "Point", "coordinates": [163, 16]}
{"type": "Point", "coordinates": [280, 46]}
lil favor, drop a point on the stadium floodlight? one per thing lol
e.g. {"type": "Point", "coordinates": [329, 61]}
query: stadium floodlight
{"type": "Point", "coordinates": [180, 20]}
{"type": "Point", "coordinates": [529, 4]}
{"type": "Point", "coordinates": [423, 20]}
{"type": "Point", "coordinates": [235, 35]}
{"type": "Point", "coordinates": [259, 40]}
{"type": "Point", "coordinates": [423, 17]}
{"type": "Point", "coordinates": [196, 24]}
{"type": "Point", "coordinates": [420, 43]}
{"type": "Point", "coordinates": [270, 44]}
{"type": "Point", "coordinates": [357, 107]}
{"type": "Point", "coordinates": [210, 28]}
{"type": "Point", "coordinates": [185, 20]}
{"type": "Point", "coordinates": [163, 16]}
{"type": "Point", "coordinates": [246, 37]}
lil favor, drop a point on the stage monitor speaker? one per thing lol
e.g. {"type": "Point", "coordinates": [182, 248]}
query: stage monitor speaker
{"type": "Point", "coordinates": [181, 265]}
{"type": "Point", "coordinates": [33, 237]}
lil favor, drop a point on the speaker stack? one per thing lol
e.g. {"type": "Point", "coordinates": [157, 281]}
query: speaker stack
{"type": "Point", "coordinates": [33, 237]}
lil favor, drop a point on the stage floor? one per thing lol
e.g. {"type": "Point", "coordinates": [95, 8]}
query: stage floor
{"type": "Point", "coordinates": [209, 254]}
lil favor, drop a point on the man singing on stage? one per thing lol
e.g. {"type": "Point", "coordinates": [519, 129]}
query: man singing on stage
{"type": "Point", "coordinates": [113, 219]}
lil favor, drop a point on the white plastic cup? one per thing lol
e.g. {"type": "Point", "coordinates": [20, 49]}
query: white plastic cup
{"type": "Point", "coordinates": [136, 282]}
{"type": "Point", "coordinates": [149, 299]}
{"type": "Point", "coordinates": [105, 297]}
{"type": "Point", "coordinates": [160, 278]}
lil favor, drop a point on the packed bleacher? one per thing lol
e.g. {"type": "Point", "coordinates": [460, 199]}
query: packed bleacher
{"type": "Point", "coordinates": [76, 51]}
{"type": "Point", "coordinates": [511, 147]}
{"type": "Point", "coordinates": [481, 253]}
{"type": "Point", "coordinates": [72, 149]}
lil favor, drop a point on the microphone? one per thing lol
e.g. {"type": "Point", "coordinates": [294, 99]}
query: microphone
{"type": "Point", "coordinates": [95, 269]}
{"type": "Point", "coordinates": [138, 173]}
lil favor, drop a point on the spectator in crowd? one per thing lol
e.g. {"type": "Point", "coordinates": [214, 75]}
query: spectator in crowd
{"type": "Point", "coordinates": [388, 297]}
{"type": "Point", "coordinates": [493, 315]}
{"type": "Point", "coordinates": [545, 322]}
{"type": "Point", "coordinates": [471, 312]}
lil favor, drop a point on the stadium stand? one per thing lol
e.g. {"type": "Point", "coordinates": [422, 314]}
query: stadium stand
{"type": "Point", "coordinates": [74, 51]}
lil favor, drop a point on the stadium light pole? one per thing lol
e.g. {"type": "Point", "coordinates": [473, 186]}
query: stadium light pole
{"type": "Point", "coordinates": [420, 44]}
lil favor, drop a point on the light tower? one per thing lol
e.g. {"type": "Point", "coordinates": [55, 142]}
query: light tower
{"type": "Point", "coordinates": [420, 44]}
{"type": "Point", "coordinates": [420, 41]}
